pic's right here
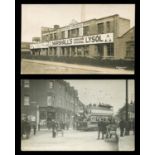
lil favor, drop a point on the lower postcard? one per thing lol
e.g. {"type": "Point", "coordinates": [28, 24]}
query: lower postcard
{"type": "Point", "coordinates": [77, 115]}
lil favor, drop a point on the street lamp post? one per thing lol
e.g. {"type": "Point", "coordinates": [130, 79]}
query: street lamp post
{"type": "Point", "coordinates": [74, 111]}
{"type": "Point", "coordinates": [126, 100]}
{"type": "Point", "coordinates": [127, 119]}
{"type": "Point", "coordinates": [37, 118]}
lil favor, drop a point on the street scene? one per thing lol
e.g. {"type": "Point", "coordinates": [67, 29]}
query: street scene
{"type": "Point", "coordinates": [77, 115]}
{"type": "Point", "coordinates": [90, 39]}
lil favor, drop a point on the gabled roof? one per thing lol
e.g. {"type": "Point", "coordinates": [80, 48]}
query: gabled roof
{"type": "Point", "coordinates": [127, 32]}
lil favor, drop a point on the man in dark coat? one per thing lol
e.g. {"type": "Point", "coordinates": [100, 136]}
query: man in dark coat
{"type": "Point", "coordinates": [27, 128]}
{"type": "Point", "coordinates": [104, 129]}
{"type": "Point", "coordinates": [54, 128]}
{"type": "Point", "coordinates": [22, 128]}
{"type": "Point", "coordinates": [39, 126]}
{"type": "Point", "coordinates": [127, 127]}
{"type": "Point", "coordinates": [122, 126]}
{"type": "Point", "coordinates": [100, 126]}
{"type": "Point", "coordinates": [34, 128]}
{"type": "Point", "coordinates": [133, 126]}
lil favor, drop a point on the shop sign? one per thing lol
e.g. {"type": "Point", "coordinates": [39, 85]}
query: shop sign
{"type": "Point", "coordinates": [39, 45]}
{"type": "Point", "coordinates": [48, 108]}
{"type": "Point", "coordinates": [85, 40]}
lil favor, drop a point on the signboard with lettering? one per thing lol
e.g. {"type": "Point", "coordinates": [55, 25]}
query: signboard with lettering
{"type": "Point", "coordinates": [84, 40]}
{"type": "Point", "coordinates": [39, 45]}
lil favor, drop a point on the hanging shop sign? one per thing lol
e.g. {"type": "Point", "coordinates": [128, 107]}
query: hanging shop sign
{"type": "Point", "coordinates": [85, 40]}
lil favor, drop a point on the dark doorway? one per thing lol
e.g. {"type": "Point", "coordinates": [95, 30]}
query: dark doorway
{"type": "Point", "coordinates": [100, 50]}
{"type": "Point", "coordinates": [68, 51]}
{"type": "Point", "coordinates": [63, 51]}
{"type": "Point", "coordinates": [50, 117]}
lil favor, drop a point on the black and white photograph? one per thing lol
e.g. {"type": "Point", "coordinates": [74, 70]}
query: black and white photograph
{"type": "Point", "coordinates": [77, 38]}
{"type": "Point", "coordinates": [77, 115]}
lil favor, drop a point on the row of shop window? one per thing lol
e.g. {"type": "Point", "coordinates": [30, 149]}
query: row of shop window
{"type": "Point", "coordinates": [46, 116]}
{"type": "Point", "coordinates": [78, 51]}
{"type": "Point", "coordinates": [65, 51]}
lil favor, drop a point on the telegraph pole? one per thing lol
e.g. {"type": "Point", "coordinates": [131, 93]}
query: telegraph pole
{"type": "Point", "coordinates": [126, 107]}
{"type": "Point", "coordinates": [74, 112]}
{"type": "Point", "coordinates": [126, 100]}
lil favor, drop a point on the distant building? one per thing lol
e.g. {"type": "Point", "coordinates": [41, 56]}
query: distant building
{"type": "Point", "coordinates": [126, 44]}
{"type": "Point", "coordinates": [131, 112]}
{"type": "Point", "coordinates": [101, 37]}
{"type": "Point", "coordinates": [25, 48]}
{"type": "Point", "coordinates": [44, 100]}
{"type": "Point", "coordinates": [36, 40]}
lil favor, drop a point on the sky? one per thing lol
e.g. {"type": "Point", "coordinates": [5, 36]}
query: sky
{"type": "Point", "coordinates": [111, 92]}
{"type": "Point", "coordinates": [34, 16]}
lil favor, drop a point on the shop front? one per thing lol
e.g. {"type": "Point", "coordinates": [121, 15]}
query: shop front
{"type": "Point", "coordinates": [46, 115]}
{"type": "Point", "coordinates": [95, 45]}
{"type": "Point", "coordinates": [44, 52]}
{"type": "Point", "coordinates": [105, 51]}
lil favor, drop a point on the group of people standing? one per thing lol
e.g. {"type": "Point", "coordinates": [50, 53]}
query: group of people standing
{"type": "Point", "coordinates": [26, 127]}
{"type": "Point", "coordinates": [126, 126]}
{"type": "Point", "coordinates": [104, 127]}
{"type": "Point", "coordinates": [107, 128]}
{"type": "Point", "coordinates": [57, 127]}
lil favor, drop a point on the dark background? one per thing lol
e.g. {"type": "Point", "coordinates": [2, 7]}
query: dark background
{"type": "Point", "coordinates": [18, 76]}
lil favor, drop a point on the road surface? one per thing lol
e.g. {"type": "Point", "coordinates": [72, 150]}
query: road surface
{"type": "Point", "coordinates": [47, 67]}
{"type": "Point", "coordinates": [71, 141]}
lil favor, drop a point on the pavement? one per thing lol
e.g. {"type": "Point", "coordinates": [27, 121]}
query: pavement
{"type": "Point", "coordinates": [127, 143]}
{"type": "Point", "coordinates": [47, 67]}
{"type": "Point", "coordinates": [71, 141]}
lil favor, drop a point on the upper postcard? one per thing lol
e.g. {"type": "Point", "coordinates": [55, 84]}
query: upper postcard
{"type": "Point", "coordinates": [78, 39]}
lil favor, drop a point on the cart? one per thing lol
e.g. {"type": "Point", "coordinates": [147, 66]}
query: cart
{"type": "Point", "coordinates": [111, 131]}
{"type": "Point", "coordinates": [60, 129]}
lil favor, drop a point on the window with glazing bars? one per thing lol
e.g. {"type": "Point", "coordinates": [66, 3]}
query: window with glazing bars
{"type": "Point", "coordinates": [100, 28]}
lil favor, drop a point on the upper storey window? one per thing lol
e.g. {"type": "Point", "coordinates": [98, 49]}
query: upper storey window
{"type": "Point", "coordinates": [51, 84]}
{"type": "Point", "coordinates": [100, 27]}
{"type": "Point", "coordinates": [55, 36]}
{"type": "Point", "coordinates": [73, 33]}
{"type": "Point", "coordinates": [86, 30]}
{"type": "Point", "coordinates": [108, 27]}
{"type": "Point", "coordinates": [26, 84]}
{"type": "Point", "coordinates": [63, 34]}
